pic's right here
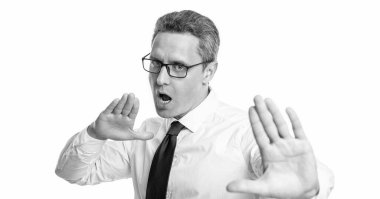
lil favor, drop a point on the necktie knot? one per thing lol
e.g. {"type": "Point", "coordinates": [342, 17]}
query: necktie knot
{"type": "Point", "coordinates": [175, 128]}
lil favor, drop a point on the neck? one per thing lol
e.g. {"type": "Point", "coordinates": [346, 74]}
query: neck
{"type": "Point", "coordinates": [202, 98]}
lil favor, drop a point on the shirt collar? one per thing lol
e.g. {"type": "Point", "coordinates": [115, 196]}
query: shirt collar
{"type": "Point", "coordinates": [194, 118]}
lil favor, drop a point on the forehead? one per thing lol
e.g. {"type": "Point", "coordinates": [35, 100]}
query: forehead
{"type": "Point", "coordinates": [175, 46]}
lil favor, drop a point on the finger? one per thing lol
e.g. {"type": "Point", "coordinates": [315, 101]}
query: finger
{"type": "Point", "coordinates": [281, 125]}
{"type": "Point", "coordinates": [257, 128]}
{"type": "Point", "coordinates": [266, 119]}
{"type": "Point", "coordinates": [135, 109]}
{"type": "Point", "coordinates": [249, 186]}
{"type": "Point", "coordinates": [120, 105]}
{"type": "Point", "coordinates": [134, 136]}
{"type": "Point", "coordinates": [111, 106]}
{"type": "Point", "coordinates": [128, 105]}
{"type": "Point", "coordinates": [296, 124]}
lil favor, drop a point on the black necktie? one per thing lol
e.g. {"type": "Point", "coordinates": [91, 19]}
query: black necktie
{"type": "Point", "coordinates": [162, 163]}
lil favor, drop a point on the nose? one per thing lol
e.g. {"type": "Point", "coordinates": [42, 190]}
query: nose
{"type": "Point", "coordinates": [163, 77]}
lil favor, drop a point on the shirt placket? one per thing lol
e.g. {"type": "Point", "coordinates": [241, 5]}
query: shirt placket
{"type": "Point", "coordinates": [175, 163]}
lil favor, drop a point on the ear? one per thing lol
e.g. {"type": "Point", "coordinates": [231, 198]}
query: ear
{"type": "Point", "coordinates": [209, 71]}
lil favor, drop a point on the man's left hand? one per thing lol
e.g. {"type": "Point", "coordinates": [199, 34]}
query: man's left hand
{"type": "Point", "coordinates": [289, 164]}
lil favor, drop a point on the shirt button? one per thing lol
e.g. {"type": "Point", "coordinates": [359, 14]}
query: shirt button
{"type": "Point", "coordinates": [168, 194]}
{"type": "Point", "coordinates": [175, 160]}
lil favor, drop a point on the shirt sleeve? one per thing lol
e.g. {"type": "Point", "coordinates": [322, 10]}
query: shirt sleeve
{"type": "Point", "coordinates": [326, 181]}
{"type": "Point", "coordinates": [86, 160]}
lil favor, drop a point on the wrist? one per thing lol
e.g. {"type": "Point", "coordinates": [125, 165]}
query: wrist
{"type": "Point", "coordinates": [92, 133]}
{"type": "Point", "coordinates": [312, 193]}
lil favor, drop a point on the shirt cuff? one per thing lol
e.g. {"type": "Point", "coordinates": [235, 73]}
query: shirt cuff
{"type": "Point", "coordinates": [326, 181]}
{"type": "Point", "coordinates": [87, 145]}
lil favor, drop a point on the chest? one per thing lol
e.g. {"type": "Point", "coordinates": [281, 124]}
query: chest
{"type": "Point", "coordinates": [201, 165]}
{"type": "Point", "coordinates": [205, 166]}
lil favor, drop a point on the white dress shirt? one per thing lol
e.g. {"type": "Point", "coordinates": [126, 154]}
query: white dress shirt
{"type": "Point", "coordinates": [216, 147]}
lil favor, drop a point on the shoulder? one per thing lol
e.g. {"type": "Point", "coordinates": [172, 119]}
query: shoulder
{"type": "Point", "coordinates": [234, 123]}
{"type": "Point", "coordinates": [231, 120]}
{"type": "Point", "coordinates": [229, 113]}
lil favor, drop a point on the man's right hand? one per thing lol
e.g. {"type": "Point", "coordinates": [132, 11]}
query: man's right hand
{"type": "Point", "coordinates": [117, 120]}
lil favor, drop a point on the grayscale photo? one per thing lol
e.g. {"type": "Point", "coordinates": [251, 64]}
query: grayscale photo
{"type": "Point", "coordinates": [190, 100]}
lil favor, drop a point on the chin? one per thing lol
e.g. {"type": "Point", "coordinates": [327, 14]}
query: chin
{"type": "Point", "coordinates": [165, 113]}
{"type": "Point", "coordinates": [168, 113]}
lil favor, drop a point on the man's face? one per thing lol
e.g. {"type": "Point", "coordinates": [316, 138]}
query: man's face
{"type": "Point", "coordinates": [174, 97]}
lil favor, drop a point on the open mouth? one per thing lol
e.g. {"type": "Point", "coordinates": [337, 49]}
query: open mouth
{"type": "Point", "coordinates": [164, 98]}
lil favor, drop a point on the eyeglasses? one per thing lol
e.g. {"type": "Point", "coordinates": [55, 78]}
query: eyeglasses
{"type": "Point", "coordinates": [174, 70]}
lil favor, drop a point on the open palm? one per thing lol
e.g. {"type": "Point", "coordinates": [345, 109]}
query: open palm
{"type": "Point", "coordinates": [117, 120]}
{"type": "Point", "coordinates": [290, 169]}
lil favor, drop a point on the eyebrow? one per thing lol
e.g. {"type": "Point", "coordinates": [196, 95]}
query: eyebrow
{"type": "Point", "coordinates": [152, 57]}
{"type": "Point", "coordinates": [173, 62]}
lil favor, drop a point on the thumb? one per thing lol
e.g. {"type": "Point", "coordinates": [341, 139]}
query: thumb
{"type": "Point", "coordinates": [143, 136]}
{"type": "Point", "coordinates": [248, 186]}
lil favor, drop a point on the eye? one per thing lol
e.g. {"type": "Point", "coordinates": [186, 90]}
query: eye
{"type": "Point", "coordinates": [178, 67]}
{"type": "Point", "coordinates": [155, 64]}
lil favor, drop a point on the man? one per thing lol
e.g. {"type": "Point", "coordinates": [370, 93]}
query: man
{"type": "Point", "coordinates": [216, 150]}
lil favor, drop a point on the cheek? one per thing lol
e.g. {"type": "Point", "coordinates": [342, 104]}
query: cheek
{"type": "Point", "coordinates": [189, 91]}
{"type": "Point", "coordinates": [152, 80]}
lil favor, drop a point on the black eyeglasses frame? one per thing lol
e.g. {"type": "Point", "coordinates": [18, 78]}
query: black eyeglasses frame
{"type": "Point", "coordinates": [167, 66]}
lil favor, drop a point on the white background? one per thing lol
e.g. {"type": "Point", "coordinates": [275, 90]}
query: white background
{"type": "Point", "coordinates": [62, 62]}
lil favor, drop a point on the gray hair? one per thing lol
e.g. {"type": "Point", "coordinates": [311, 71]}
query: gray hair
{"type": "Point", "coordinates": [188, 21]}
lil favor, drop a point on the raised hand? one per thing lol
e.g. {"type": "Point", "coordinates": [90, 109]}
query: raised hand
{"type": "Point", "coordinates": [117, 120]}
{"type": "Point", "coordinates": [290, 169]}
